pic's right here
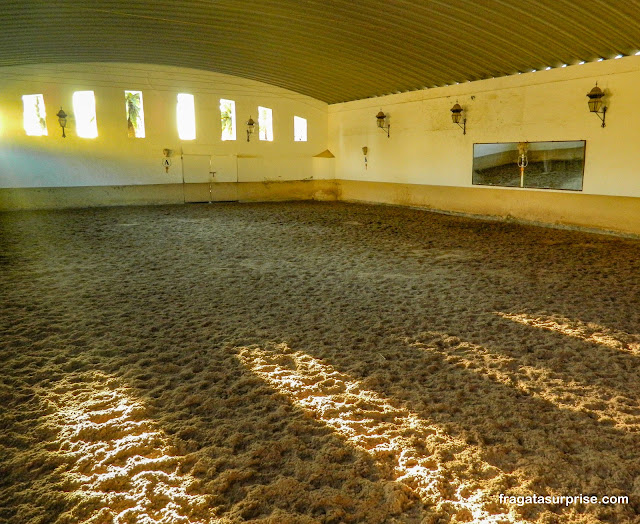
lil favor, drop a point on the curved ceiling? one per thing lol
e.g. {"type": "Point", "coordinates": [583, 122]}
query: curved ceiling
{"type": "Point", "coordinates": [332, 50]}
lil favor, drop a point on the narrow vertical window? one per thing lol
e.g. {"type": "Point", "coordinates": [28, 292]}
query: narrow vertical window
{"type": "Point", "coordinates": [35, 118]}
{"type": "Point", "coordinates": [228, 119]}
{"type": "Point", "coordinates": [265, 123]}
{"type": "Point", "coordinates": [186, 117]}
{"type": "Point", "coordinates": [299, 129]}
{"type": "Point", "coordinates": [135, 113]}
{"type": "Point", "coordinates": [84, 110]}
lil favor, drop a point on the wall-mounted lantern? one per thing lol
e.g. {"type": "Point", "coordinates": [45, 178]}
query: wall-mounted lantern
{"type": "Point", "coordinates": [595, 103]}
{"type": "Point", "coordinates": [456, 116]}
{"type": "Point", "coordinates": [62, 120]}
{"type": "Point", "coordinates": [382, 122]}
{"type": "Point", "coordinates": [251, 126]}
{"type": "Point", "coordinates": [365, 150]}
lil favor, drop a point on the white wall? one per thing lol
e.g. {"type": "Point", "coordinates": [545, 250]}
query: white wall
{"type": "Point", "coordinates": [425, 147]}
{"type": "Point", "coordinates": [427, 159]}
{"type": "Point", "coordinates": [115, 159]}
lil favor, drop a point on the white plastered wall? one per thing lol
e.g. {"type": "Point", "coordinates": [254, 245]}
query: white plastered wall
{"type": "Point", "coordinates": [114, 159]}
{"type": "Point", "coordinates": [426, 148]}
{"type": "Point", "coordinates": [427, 161]}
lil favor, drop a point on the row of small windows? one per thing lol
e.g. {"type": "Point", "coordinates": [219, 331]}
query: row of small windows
{"type": "Point", "coordinates": [84, 108]}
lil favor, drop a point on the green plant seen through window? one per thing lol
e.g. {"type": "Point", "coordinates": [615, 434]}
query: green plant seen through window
{"type": "Point", "coordinates": [228, 119]}
{"type": "Point", "coordinates": [34, 116]}
{"type": "Point", "coordinates": [135, 115]}
{"type": "Point", "coordinates": [40, 115]}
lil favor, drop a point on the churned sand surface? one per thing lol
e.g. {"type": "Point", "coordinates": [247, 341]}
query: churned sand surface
{"type": "Point", "coordinates": [313, 363]}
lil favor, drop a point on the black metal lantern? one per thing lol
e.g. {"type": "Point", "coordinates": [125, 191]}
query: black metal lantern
{"type": "Point", "coordinates": [456, 116]}
{"type": "Point", "coordinates": [381, 120]}
{"type": "Point", "coordinates": [62, 120]}
{"type": "Point", "coordinates": [595, 103]}
{"type": "Point", "coordinates": [251, 125]}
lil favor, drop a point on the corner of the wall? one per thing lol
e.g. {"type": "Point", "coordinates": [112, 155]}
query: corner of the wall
{"type": "Point", "coordinates": [327, 191]}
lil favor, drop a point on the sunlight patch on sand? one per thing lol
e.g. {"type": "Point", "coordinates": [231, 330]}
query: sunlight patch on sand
{"type": "Point", "coordinates": [571, 394]}
{"type": "Point", "coordinates": [588, 332]}
{"type": "Point", "coordinates": [422, 456]}
{"type": "Point", "coordinates": [120, 464]}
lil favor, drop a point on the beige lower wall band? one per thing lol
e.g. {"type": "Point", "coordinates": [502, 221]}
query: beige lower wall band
{"type": "Point", "coordinates": [609, 213]}
{"type": "Point", "coordinates": [64, 197]}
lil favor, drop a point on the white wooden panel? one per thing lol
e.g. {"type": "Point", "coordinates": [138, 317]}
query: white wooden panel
{"type": "Point", "coordinates": [196, 169]}
{"type": "Point", "coordinates": [225, 167]}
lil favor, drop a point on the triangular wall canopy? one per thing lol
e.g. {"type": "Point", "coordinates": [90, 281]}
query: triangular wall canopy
{"type": "Point", "coordinates": [325, 154]}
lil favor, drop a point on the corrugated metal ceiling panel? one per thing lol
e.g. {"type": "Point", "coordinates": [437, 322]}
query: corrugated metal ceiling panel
{"type": "Point", "coordinates": [333, 50]}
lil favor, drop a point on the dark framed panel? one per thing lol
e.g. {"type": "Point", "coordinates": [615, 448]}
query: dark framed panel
{"type": "Point", "coordinates": [539, 165]}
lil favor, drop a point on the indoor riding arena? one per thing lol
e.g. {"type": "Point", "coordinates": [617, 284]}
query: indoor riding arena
{"type": "Point", "coordinates": [319, 262]}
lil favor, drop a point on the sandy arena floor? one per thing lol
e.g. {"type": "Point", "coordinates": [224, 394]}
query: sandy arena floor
{"type": "Point", "coordinates": [313, 363]}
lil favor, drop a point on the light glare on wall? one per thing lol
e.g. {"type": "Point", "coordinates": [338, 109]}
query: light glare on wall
{"type": "Point", "coordinates": [186, 112]}
{"type": "Point", "coordinates": [265, 123]}
{"type": "Point", "coordinates": [35, 117]}
{"type": "Point", "coordinates": [84, 109]}
{"type": "Point", "coordinates": [299, 129]}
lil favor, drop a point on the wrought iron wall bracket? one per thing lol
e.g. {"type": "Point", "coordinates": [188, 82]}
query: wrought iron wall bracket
{"type": "Point", "coordinates": [604, 115]}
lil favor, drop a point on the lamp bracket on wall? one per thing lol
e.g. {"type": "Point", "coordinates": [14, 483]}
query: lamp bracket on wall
{"type": "Point", "coordinates": [595, 103]}
{"type": "Point", "coordinates": [456, 116]}
{"type": "Point", "coordinates": [381, 119]}
{"type": "Point", "coordinates": [62, 120]}
{"type": "Point", "coordinates": [604, 115]}
{"type": "Point", "coordinates": [251, 126]}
